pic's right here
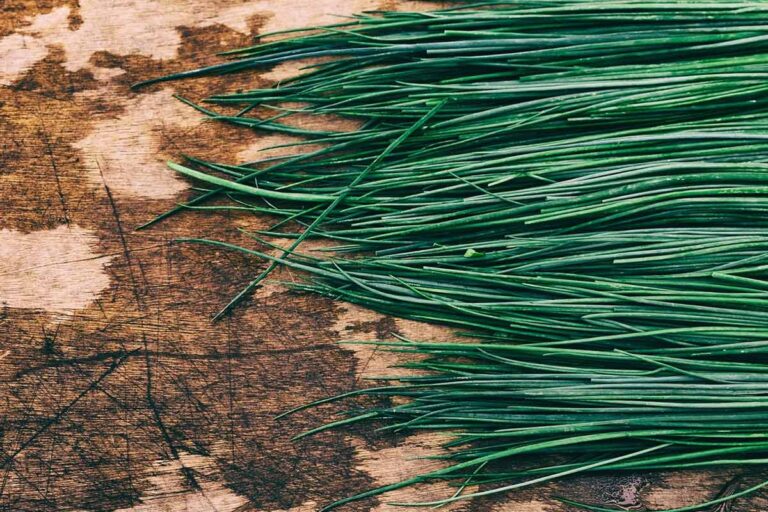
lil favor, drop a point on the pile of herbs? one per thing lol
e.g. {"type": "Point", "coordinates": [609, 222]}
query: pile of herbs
{"type": "Point", "coordinates": [581, 185]}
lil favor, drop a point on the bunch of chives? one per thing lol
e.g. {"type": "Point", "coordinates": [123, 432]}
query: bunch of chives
{"type": "Point", "coordinates": [581, 185]}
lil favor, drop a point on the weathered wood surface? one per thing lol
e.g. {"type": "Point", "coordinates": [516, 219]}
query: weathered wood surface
{"type": "Point", "coordinates": [118, 393]}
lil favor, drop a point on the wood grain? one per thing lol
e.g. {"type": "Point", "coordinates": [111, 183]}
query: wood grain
{"type": "Point", "coordinates": [118, 393]}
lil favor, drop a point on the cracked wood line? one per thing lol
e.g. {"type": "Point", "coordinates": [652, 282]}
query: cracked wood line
{"type": "Point", "coordinates": [186, 422]}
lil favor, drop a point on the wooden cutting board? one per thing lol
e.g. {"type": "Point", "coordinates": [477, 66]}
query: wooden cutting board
{"type": "Point", "coordinates": [118, 392]}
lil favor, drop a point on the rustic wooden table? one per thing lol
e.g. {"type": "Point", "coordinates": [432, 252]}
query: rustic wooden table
{"type": "Point", "coordinates": [118, 392]}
